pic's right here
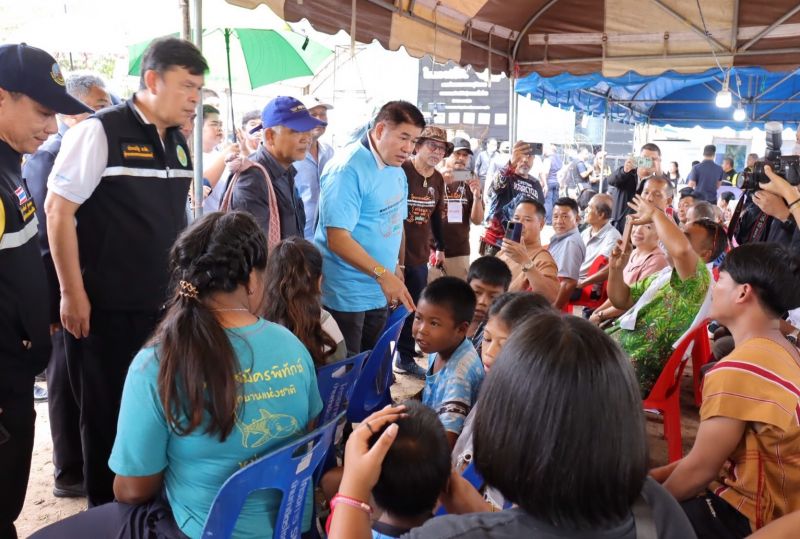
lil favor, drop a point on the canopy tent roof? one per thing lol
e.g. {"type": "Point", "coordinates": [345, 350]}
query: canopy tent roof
{"type": "Point", "coordinates": [550, 37]}
{"type": "Point", "coordinates": [675, 99]}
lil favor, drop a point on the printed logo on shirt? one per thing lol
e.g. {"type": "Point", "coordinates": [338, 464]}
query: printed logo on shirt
{"type": "Point", "coordinates": [183, 159]}
{"type": "Point", "coordinates": [420, 208]}
{"type": "Point", "coordinates": [26, 206]}
{"type": "Point", "coordinates": [137, 151]}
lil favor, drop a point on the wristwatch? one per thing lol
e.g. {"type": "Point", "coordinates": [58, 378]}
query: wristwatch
{"type": "Point", "coordinates": [378, 271]}
{"type": "Point", "coordinates": [527, 267]}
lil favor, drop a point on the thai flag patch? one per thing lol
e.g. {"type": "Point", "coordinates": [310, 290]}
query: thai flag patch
{"type": "Point", "coordinates": [21, 195]}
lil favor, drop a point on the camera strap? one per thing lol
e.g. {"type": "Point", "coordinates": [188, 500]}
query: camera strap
{"type": "Point", "coordinates": [733, 229]}
{"type": "Point", "coordinates": [756, 232]}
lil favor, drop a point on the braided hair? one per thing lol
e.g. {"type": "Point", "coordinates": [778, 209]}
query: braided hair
{"type": "Point", "coordinates": [197, 361]}
{"type": "Point", "coordinates": [293, 297]}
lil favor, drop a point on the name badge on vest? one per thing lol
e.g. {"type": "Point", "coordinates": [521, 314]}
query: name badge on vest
{"type": "Point", "coordinates": [137, 151]}
{"type": "Point", "coordinates": [26, 206]}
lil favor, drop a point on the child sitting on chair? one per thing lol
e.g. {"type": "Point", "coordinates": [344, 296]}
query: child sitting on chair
{"type": "Point", "coordinates": [414, 472]}
{"type": "Point", "coordinates": [444, 312]}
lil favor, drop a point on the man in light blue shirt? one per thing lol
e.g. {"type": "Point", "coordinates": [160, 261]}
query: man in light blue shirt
{"type": "Point", "coordinates": [309, 170]}
{"type": "Point", "coordinates": [566, 247]}
{"type": "Point", "coordinates": [362, 208]}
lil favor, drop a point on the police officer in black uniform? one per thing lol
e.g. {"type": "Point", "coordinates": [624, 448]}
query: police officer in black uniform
{"type": "Point", "coordinates": [32, 91]}
{"type": "Point", "coordinates": [123, 175]}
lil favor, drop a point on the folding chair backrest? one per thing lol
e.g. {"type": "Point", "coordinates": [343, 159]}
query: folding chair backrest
{"type": "Point", "coordinates": [669, 380]}
{"type": "Point", "coordinates": [372, 387]}
{"type": "Point", "coordinates": [281, 470]}
{"type": "Point", "coordinates": [336, 383]}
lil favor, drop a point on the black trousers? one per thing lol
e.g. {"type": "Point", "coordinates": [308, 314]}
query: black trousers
{"type": "Point", "coordinates": [416, 278]}
{"type": "Point", "coordinates": [361, 330]}
{"type": "Point", "coordinates": [714, 518]}
{"type": "Point", "coordinates": [97, 368]}
{"type": "Point", "coordinates": [151, 520]}
{"type": "Point", "coordinates": [64, 417]}
{"type": "Point", "coordinates": [18, 418]}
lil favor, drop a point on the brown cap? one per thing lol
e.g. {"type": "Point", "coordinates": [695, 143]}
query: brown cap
{"type": "Point", "coordinates": [431, 132]}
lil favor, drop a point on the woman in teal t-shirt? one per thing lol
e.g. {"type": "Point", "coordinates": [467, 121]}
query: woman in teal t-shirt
{"type": "Point", "coordinates": [216, 388]}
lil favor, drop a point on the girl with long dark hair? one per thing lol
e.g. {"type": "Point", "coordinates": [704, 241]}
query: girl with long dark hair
{"type": "Point", "coordinates": [294, 299]}
{"type": "Point", "coordinates": [216, 387]}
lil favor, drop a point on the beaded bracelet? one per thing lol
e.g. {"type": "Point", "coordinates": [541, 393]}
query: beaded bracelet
{"type": "Point", "coordinates": [352, 502]}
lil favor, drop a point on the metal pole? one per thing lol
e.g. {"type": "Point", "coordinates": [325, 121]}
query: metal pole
{"type": "Point", "coordinates": [512, 111]}
{"type": "Point", "coordinates": [197, 182]}
{"type": "Point", "coordinates": [228, 32]}
{"type": "Point", "coordinates": [603, 146]}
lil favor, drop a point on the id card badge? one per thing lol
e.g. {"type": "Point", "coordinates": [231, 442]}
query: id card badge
{"type": "Point", "coordinates": [455, 211]}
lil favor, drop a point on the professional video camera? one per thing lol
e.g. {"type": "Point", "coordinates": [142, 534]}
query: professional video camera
{"type": "Point", "coordinates": [785, 166]}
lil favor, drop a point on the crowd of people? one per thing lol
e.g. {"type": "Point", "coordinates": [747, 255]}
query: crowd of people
{"type": "Point", "coordinates": [178, 353]}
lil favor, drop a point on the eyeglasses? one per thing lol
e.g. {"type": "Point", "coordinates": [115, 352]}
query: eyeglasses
{"type": "Point", "coordinates": [436, 146]}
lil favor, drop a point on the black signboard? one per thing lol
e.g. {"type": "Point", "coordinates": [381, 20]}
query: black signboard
{"type": "Point", "coordinates": [455, 97]}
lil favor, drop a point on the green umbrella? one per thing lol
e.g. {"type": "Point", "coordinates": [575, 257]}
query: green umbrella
{"type": "Point", "coordinates": [260, 57]}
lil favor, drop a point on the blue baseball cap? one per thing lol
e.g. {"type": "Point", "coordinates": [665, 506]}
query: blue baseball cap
{"type": "Point", "coordinates": [35, 73]}
{"type": "Point", "coordinates": [288, 112]}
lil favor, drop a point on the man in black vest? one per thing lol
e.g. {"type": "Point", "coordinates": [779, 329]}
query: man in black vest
{"type": "Point", "coordinates": [32, 90]}
{"type": "Point", "coordinates": [124, 176]}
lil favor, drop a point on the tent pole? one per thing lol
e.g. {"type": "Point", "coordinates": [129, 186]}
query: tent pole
{"type": "Point", "coordinates": [512, 111]}
{"type": "Point", "coordinates": [197, 182]}
{"type": "Point", "coordinates": [230, 83]}
{"type": "Point", "coordinates": [603, 147]}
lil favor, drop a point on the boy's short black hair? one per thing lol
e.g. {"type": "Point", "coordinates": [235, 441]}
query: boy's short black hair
{"type": "Point", "coordinates": [514, 307]}
{"type": "Point", "coordinates": [727, 196]}
{"type": "Point", "coordinates": [209, 109]}
{"type": "Point", "coordinates": [453, 293]}
{"type": "Point", "coordinates": [569, 203]}
{"type": "Point", "coordinates": [166, 53]}
{"type": "Point", "coordinates": [491, 270]}
{"type": "Point", "coordinates": [716, 237]}
{"type": "Point", "coordinates": [417, 466]}
{"type": "Point", "coordinates": [541, 211]}
{"type": "Point", "coordinates": [688, 192]}
{"type": "Point", "coordinates": [771, 269]}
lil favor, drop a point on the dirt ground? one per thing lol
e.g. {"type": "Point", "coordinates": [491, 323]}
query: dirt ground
{"type": "Point", "coordinates": [42, 508]}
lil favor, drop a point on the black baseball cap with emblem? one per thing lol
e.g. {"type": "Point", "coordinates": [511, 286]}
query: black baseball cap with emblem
{"type": "Point", "coordinates": [35, 73]}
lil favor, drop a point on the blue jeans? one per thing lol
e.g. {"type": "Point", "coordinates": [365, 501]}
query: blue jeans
{"type": "Point", "coordinates": [550, 200]}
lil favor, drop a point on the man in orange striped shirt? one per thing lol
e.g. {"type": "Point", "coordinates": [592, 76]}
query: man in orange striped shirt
{"type": "Point", "coordinates": [744, 469]}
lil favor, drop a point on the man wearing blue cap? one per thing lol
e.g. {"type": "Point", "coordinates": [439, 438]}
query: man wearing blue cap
{"type": "Point", "coordinates": [32, 91]}
{"type": "Point", "coordinates": [115, 205]}
{"type": "Point", "coordinates": [267, 190]}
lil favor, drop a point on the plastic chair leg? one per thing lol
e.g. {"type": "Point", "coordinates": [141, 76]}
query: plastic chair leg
{"type": "Point", "coordinates": [672, 431]}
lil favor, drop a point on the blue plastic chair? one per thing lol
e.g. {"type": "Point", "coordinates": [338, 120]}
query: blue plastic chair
{"type": "Point", "coordinates": [473, 478]}
{"type": "Point", "coordinates": [371, 392]}
{"type": "Point", "coordinates": [282, 470]}
{"type": "Point", "coordinates": [336, 383]}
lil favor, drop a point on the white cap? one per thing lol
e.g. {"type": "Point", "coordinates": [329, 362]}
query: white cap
{"type": "Point", "coordinates": [310, 102]}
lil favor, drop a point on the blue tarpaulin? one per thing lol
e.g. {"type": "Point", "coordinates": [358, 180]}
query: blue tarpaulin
{"type": "Point", "coordinates": [677, 99]}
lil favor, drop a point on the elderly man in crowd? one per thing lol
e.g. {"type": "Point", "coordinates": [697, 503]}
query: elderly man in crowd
{"type": "Point", "coordinates": [267, 189]}
{"type": "Point", "coordinates": [463, 205]}
{"type": "Point", "coordinates": [599, 237]}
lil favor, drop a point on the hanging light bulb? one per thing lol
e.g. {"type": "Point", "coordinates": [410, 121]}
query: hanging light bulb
{"type": "Point", "coordinates": [724, 99]}
{"type": "Point", "coordinates": [739, 114]}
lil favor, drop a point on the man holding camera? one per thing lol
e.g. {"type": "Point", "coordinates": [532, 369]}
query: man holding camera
{"type": "Point", "coordinates": [629, 177]}
{"type": "Point", "coordinates": [513, 183]}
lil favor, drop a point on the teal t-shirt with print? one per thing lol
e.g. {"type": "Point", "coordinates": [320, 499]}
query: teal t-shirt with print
{"type": "Point", "coordinates": [279, 398]}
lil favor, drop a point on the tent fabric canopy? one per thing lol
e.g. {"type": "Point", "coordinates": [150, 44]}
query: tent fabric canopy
{"type": "Point", "coordinates": [550, 37]}
{"type": "Point", "coordinates": [675, 99]}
